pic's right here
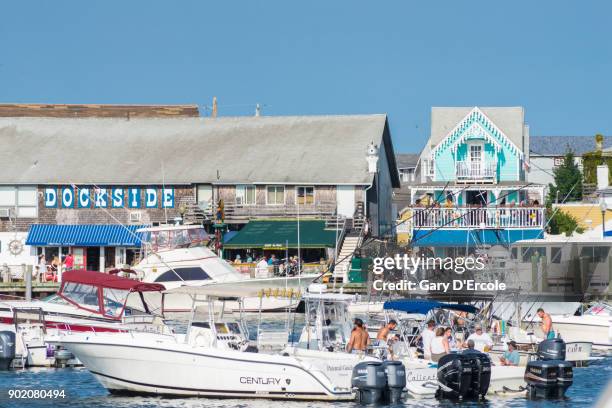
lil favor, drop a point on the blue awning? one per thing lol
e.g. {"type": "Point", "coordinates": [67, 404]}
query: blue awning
{"type": "Point", "coordinates": [84, 235]}
{"type": "Point", "coordinates": [424, 306]}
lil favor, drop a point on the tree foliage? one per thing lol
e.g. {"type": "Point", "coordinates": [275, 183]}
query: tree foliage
{"type": "Point", "coordinates": [568, 181]}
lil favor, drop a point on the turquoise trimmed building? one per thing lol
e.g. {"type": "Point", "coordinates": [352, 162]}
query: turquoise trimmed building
{"type": "Point", "coordinates": [473, 187]}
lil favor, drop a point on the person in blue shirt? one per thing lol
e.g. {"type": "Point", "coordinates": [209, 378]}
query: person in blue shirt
{"type": "Point", "coordinates": [510, 357]}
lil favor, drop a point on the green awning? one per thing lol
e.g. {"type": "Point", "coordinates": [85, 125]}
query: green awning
{"type": "Point", "coordinates": [283, 234]}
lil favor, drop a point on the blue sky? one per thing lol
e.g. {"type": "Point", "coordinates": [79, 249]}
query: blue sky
{"type": "Point", "coordinates": [319, 57]}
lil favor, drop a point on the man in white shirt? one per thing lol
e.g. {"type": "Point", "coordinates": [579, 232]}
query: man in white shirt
{"type": "Point", "coordinates": [428, 335]}
{"type": "Point", "coordinates": [481, 340]}
{"type": "Point", "coordinates": [261, 269]}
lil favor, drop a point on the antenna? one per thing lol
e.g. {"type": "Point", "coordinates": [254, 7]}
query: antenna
{"type": "Point", "coordinates": [164, 190]}
{"type": "Point", "coordinates": [258, 110]}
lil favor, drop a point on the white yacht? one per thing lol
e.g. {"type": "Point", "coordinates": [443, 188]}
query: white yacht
{"type": "Point", "coordinates": [177, 255]}
{"type": "Point", "coordinates": [214, 358]}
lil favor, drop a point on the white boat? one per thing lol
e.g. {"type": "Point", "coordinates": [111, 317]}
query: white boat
{"type": "Point", "coordinates": [214, 358]}
{"type": "Point", "coordinates": [87, 301]}
{"type": "Point", "coordinates": [594, 326]}
{"type": "Point", "coordinates": [421, 374]}
{"type": "Point", "coordinates": [177, 255]}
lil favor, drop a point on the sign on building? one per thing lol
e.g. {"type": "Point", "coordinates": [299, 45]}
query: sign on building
{"type": "Point", "coordinates": [108, 197]}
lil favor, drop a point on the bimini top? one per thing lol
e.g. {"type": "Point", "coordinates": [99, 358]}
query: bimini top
{"type": "Point", "coordinates": [109, 281]}
{"type": "Point", "coordinates": [424, 306]}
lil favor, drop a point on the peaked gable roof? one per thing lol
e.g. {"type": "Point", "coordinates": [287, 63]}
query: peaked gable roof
{"type": "Point", "coordinates": [558, 145]}
{"type": "Point", "coordinates": [476, 124]}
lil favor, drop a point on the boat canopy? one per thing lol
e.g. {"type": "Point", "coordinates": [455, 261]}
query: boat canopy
{"type": "Point", "coordinates": [424, 306]}
{"type": "Point", "coordinates": [109, 281]}
{"type": "Point", "coordinates": [107, 295]}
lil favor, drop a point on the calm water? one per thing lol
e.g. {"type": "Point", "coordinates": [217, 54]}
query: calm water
{"type": "Point", "coordinates": [82, 390]}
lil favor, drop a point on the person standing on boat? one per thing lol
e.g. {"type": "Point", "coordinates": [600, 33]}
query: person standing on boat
{"type": "Point", "coordinates": [359, 338]}
{"type": "Point", "coordinates": [439, 345]}
{"type": "Point", "coordinates": [546, 325]}
{"type": "Point", "coordinates": [427, 336]}
{"type": "Point", "coordinates": [383, 333]}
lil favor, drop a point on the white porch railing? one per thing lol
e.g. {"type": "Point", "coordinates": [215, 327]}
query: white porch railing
{"type": "Point", "coordinates": [479, 217]}
{"type": "Point", "coordinates": [476, 171]}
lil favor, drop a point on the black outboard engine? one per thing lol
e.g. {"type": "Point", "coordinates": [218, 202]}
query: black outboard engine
{"type": "Point", "coordinates": [396, 381]}
{"type": "Point", "coordinates": [370, 381]}
{"type": "Point", "coordinates": [454, 376]}
{"type": "Point", "coordinates": [481, 374]}
{"type": "Point", "coordinates": [549, 376]}
{"type": "Point", "coordinates": [464, 375]}
{"type": "Point", "coordinates": [7, 349]}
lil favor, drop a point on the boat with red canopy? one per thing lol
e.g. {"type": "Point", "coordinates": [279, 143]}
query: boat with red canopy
{"type": "Point", "coordinates": [89, 300]}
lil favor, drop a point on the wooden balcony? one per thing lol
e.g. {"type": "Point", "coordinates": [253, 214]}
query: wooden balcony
{"type": "Point", "coordinates": [479, 217]}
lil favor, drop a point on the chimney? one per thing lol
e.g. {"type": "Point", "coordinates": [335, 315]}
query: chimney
{"type": "Point", "coordinates": [214, 108]}
{"type": "Point", "coordinates": [372, 158]}
{"type": "Point", "coordinates": [599, 142]}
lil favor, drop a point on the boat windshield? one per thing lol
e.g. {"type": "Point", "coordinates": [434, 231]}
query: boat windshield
{"type": "Point", "coordinates": [83, 295]}
{"type": "Point", "coordinates": [176, 238]}
{"type": "Point", "coordinates": [600, 309]}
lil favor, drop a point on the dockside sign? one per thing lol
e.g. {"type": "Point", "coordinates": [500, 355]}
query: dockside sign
{"type": "Point", "coordinates": [114, 197]}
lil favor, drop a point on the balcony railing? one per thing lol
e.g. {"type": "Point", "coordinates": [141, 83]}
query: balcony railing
{"type": "Point", "coordinates": [479, 217]}
{"type": "Point", "coordinates": [470, 171]}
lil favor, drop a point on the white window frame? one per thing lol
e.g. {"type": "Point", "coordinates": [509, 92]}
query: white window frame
{"type": "Point", "coordinates": [276, 187]}
{"type": "Point", "coordinates": [243, 196]}
{"type": "Point", "coordinates": [482, 151]}
{"type": "Point", "coordinates": [17, 206]}
{"type": "Point", "coordinates": [314, 194]}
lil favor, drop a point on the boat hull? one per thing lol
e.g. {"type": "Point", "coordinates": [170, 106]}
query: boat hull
{"type": "Point", "coordinates": [160, 368]}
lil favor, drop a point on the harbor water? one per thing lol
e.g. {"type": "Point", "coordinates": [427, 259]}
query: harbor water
{"type": "Point", "coordinates": [81, 389]}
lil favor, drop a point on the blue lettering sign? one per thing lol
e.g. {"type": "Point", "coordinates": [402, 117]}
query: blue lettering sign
{"type": "Point", "coordinates": [101, 200]}
{"type": "Point", "coordinates": [67, 197]}
{"type": "Point", "coordinates": [168, 198]}
{"type": "Point", "coordinates": [151, 195]}
{"type": "Point", "coordinates": [50, 197]}
{"type": "Point", "coordinates": [117, 198]}
{"type": "Point", "coordinates": [84, 200]}
{"type": "Point", "coordinates": [134, 197]}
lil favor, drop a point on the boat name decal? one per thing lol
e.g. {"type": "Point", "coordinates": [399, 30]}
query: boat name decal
{"type": "Point", "coordinates": [260, 380]}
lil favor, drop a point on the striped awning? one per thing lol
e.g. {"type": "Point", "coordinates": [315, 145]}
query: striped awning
{"type": "Point", "coordinates": [84, 235]}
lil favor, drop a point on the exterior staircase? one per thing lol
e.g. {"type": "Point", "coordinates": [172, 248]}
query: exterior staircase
{"type": "Point", "coordinates": [351, 242]}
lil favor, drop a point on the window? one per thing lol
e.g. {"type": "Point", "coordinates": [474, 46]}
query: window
{"type": "Point", "coordinates": [85, 296]}
{"type": "Point", "coordinates": [114, 299]}
{"type": "Point", "coordinates": [275, 195]}
{"type": "Point", "coordinates": [305, 195]}
{"type": "Point", "coordinates": [555, 255]}
{"type": "Point", "coordinates": [597, 254]}
{"type": "Point", "coordinates": [183, 274]}
{"type": "Point", "coordinates": [528, 252]}
{"type": "Point", "coordinates": [23, 200]}
{"type": "Point", "coordinates": [245, 195]}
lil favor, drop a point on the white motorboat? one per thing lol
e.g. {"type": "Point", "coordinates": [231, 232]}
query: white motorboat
{"type": "Point", "coordinates": [421, 374]}
{"type": "Point", "coordinates": [177, 255]}
{"type": "Point", "coordinates": [214, 358]}
{"type": "Point", "coordinates": [594, 326]}
{"type": "Point", "coordinates": [87, 301]}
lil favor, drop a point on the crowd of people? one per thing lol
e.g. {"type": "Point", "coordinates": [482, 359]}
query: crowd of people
{"type": "Point", "coordinates": [441, 340]}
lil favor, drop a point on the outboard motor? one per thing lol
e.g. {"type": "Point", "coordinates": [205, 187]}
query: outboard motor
{"type": "Point", "coordinates": [370, 381]}
{"type": "Point", "coordinates": [396, 381]}
{"type": "Point", "coordinates": [7, 349]}
{"type": "Point", "coordinates": [550, 375]}
{"type": "Point", "coordinates": [62, 356]}
{"type": "Point", "coordinates": [481, 374]}
{"type": "Point", "coordinates": [454, 376]}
